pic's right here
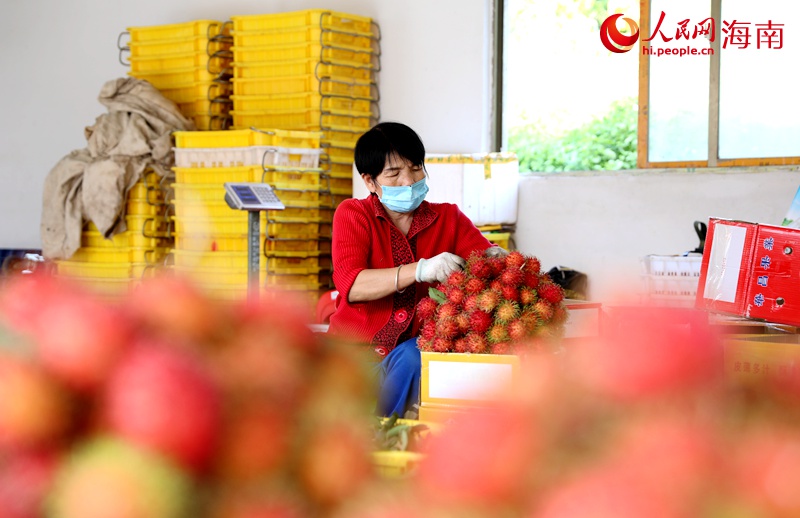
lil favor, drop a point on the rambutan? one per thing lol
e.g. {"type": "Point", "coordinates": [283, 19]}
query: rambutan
{"type": "Point", "coordinates": [496, 285]}
{"type": "Point", "coordinates": [531, 280]}
{"type": "Point", "coordinates": [428, 330]}
{"type": "Point", "coordinates": [510, 293]}
{"type": "Point", "coordinates": [474, 285]}
{"type": "Point", "coordinates": [461, 345]}
{"type": "Point", "coordinates": [448, 309]}
{"type": "Point", "coordinates": [506, 311]}
{"type": "Point", "coordinates": [479, 321]}
{"type": "Point", "coordinates": [488, 300]}
{"type": "Point", "coordinates": [426, 308]}
{"type": "Point", "coordinates": [560, 315]}
{"type": "Point", "coordinates": [515, 260]}
{"type": "Point", "coordinates": [501, 348]}
{"type": "Point", "coordinates": [471, 303]}
{"type": "Point", "coordinates": [530, 318]}
{"type": "Point", "coordinates": [476, 344]}
{"type": "Point", "coordinates": [512, 276]}
{"type": "Point", "coordinates": [455, 294]}
{"type": "Point", "coordinates": [496, 265]}
{"type": "Point", "coordinates": [478, 266]}
{"type": "Point", "coordinates": [527, 296]}
{"type": "Point", "coordinates": [517, 330]}
{"type": "Point", "coordinates": [462, 320]}
{"type": "Point", "coordinates": [544, 309]}
{"type": "Point", "coordinates": [423, 344]}
{"type": "Point", "coordinates": [456, 279]}
{"type": "Point", "coordinates": [497, 333]}
{"type": "Point", "coordinates": [441, 345]}
{"type": "Point", "coordinates": [447, 327]}
{"type": "Point", "coordinates": [532, 265]}
{"type": "Point", "coordinates": [551, 292]}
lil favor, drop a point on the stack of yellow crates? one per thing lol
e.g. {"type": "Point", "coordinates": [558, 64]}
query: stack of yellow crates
{"type": "Point", "coordinates": [211, 239]}
{"type": "Point", "coordinates": [115, 265]}
{"type": "Point", "coordinates": [312, 70]}
{"type": "Point", "coordinates": [190, 63]}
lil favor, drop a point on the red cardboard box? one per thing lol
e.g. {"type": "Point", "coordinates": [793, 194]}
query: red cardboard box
{"type": "Point", "coordinates": [751, 270]}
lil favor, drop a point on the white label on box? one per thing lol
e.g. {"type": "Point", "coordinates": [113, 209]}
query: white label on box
{"type": "Point", "coordinates": [724, 263]}
{"type": "Point", "coordinates": [582, 322]}
{"type": "Point", "coordinates": [466, 380]}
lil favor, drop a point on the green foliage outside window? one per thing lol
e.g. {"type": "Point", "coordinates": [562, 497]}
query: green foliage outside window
{"type": "Point", "coordinates": [606, 143]}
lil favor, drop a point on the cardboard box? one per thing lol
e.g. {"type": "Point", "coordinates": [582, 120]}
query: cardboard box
{"type": "Point", "coordinates": [467, 379]}
{"type": "Point", "coordinates": [444, 414]}
{"type": "Point", "coordinates": [485, 186]}
{"type": "Point", "coordinates": [751, 270]}
{"type": "Point", "coordinates": [584, 319]}
{"type": "Point", "coordinates": [752, 358]}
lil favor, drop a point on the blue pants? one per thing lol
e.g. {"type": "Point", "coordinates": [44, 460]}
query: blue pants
{"type": "Point", "coordinates": [398, 379]}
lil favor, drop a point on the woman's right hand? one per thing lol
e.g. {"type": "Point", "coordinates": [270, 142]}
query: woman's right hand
{"type": "Point", "coordinates": [439, 267]}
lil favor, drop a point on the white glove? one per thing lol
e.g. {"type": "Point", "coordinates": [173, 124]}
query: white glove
{"type": "Point", "coordinates": [496, 251]}
{"type": "Point", "coordinates": [438, 268]}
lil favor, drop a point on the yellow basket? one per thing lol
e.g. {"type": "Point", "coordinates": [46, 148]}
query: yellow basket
{"type": "Point", "coordinates": [184, 78]}
{"type": "Point", "coordinates": [94, 270]}
{"type": "Point", "coordinates": [302, 119]}
{"type": "Point", "coordinates": [263, 136]}
{"type": "Point", "coordinates": [203, 209]}
{"type": "Point", "coordinates": [316, 17]}
{"type": "Point", "coordinates": [106, 287]}
{"type": "Point", "coordinates": [290, 178]}
{"type": "Point", "coordinates": [239, 260]}
{"type": "Point", "coordinates": [340, 155]}
{"type": "Point", "coordinates": [176, 31]}
{"type": "Point", "coordinates": [339, 186]}
{"type": "Point", "coordinates": [118, 255]}
{"type": "Point", "coordinates": [239, 243]}
{"type": "Point", "coordinates": [162, 64]}
{"type": "Point", "coordinates": [199, 91]}
{"type": "Point", "coordinates": [146, 194]}
{"type": "Point", "coordinates": [340, 86]}
{"type": "Point", "coordinates": [499, 238]}
{"type": "Point", "coordinates": [302, 101]}
{"type": "Point", "coordinates": [212, 175]}
{"type": "Point", "coordinates": [301, 35]}
{"type": "Point", "coordinates": [204, 106]}
{"type": "Point", "coordinates": [204, 121]}
{"type": "Point", "coordinates": [305, 51]}
{"type": "Point", "coordinates": [338, 138]}
{"type": "Point", "coordinates": [227, 277]}
{"type": "Point", "coordinates": [297, 281]}
{"type": "Point", "coordinates": [396, 464]}
{"type": "Point", "coordinates": [298, 67]}
{"type": "Point", "coordinates": [147, 226]}
{"type": "Point", "coordinates": [171, 47]}
{"type": "Point", "coordinates": [143, 208]}
{"type": "Point", "coordinates": [337, 170]}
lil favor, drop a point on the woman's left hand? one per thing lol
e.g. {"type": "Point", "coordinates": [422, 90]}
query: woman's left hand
{"type": "Point", "coordinates": [496, 251]}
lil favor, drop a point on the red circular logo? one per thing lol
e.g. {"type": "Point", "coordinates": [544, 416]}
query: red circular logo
{"type": "Point", "coordinates": [614, 40]}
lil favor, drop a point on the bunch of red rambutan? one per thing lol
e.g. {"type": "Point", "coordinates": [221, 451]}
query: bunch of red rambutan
{"type": "Point", "coordinates": [493, 304]}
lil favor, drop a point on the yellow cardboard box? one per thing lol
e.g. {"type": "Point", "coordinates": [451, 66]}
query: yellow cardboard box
{"type": "Point", "coordinates": [755, 357]}
{"type": "Point", "coordinates": [467, 379]}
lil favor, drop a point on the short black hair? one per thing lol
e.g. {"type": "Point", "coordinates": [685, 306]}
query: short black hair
{"type": "Point", "coordinates": [383, 140]}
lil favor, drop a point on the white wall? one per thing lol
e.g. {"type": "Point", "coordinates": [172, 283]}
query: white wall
{"type": "Point", "coordinates": [56, 55]}
{"type": "Point", "coordinates": [603, 224]}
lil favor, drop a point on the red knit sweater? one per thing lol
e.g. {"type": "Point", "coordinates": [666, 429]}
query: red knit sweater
{"type": "Point", "coordinates": [365, 238]}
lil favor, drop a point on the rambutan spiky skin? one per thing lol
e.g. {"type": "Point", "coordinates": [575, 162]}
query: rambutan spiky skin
{"type": "Point", "coordinates": [456, 279]}
{"type": "Point", "coordinates": [428, 330]}
{"type": "Point", "coordinates": [530, 318]}
{"type": "Point", "coordinates": [527, 296]}
{"type": "Point", "coordinates": [560, 315]}
{"type": "Point", "coordinates": [496, 264]}
{"type": "Point", "coordinates": [455, 294]}
{"type": "Point", "coordinates": [512, 277]}
{"type": "Point", "coordinates": [488, 300]}
{"type": "Point", "coordinates": [532, 265]}
{"type": "Point", "coordinates": [426, 308]}
{"type": "Point", "coordinates": [515, 260]}
{"type": "Point", "coordinates": [423, 344]}
{"type": "Point", "coordinates": [501, 348]}
{"type": "Point", "coordinates": [551, 292]}
{"type": "Point", "coordinates": [510, 293]}
{"type": "Point", "coordinates": [447, 328]}
{"type": "Point", "coordinates": [531, 280]}
{"type": "Point", "coordinates": [497, 333]}
{"type": "Point", "coordinates": [476, 344]}
{"type": "Point", "coordinates": [462, 320]}
{"type": "Point", "coordinates": [480, 269]}
{"type": "Point", "coordinates": [517, 330]}
{"type": "Point", "coordinates": [441, 345]}
{"type": "Point", "coordinates": [447, 310]}
{"type": "Point", "coordinates": [471, 303]}
{"type": "Point", "coordinates": [506, 311]}
{"type": "Point", "coordinates": [544, 309]}
{"type": "Point", "coordinates": [461, 345]}
{"type": "Point", "coordinates": [474, 285]}
{"type": "Point", "coordinates": [479, 321]}
{"type": "Point", "coordinates": [496, 285]}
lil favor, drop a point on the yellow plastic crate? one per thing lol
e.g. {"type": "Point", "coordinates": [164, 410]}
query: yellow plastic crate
{"type": "Point", "coordinates": [94, 270]}
{"type": "Point", "coordinates": [203, 209]}
{"type": "Point", "coordinates": [141, 271]}
{"type": "Point", "coordinates": [261, 136]}
{"type": "Point", "coordinates": [141, 193]}
{"type": "Point", "coordinates": [336, 170]}
{"type": "Point", "coordinates": [171, 47]}
{"type": "Point", "coordinates": [239, 260]}
{"type": "Point", "coordinates": [341, 138]}
{"type": "Point", "coordinates": [175, 31]}
{"type": "Point", "coordinates": [334, 85]}
{"type": "Point", "coordinates": [298, 67]}
{"type": "Point", "coordinates": [204, 121]}
{"type": "Point", "coordinates": [239, 243]}
{"type": "Point", "coordinates": [340, 155]}
{"type": "Point", "coordinates": [172, 79]}
{"type": "Point", "coordinates": [396, 464]}
{"type": "Point", "coordinates": [161, 64]}
{"type": "Point", "coordinates": [118, 255]}
{"type": "Point", "coordinates": [302, 101]}
{"type": "Point", "coordinates": [295, 281]}
{"type": "Point", "coordinates": [303, 158]}
{"type": "Point", "coordinates": [291, 178]}
{"type": "Point", "coordinates": [306, 51]}
{"type": "Point", "coordinates": [339, 185]}
{"type": "Point", "coordinates": [227, 277]}
{"type": "Point", "coordinates": [207, 107]}
{"type": "Point", "coordinates": [301, 35]}
{"type": "Point", "coordinates": [147, 226]}
{"type": "Point", "coordinates": [212, 175]}
{"type": "Point", "coordinates": [315, 17]}
{"type": "Point", "coordinates": [143, 208]}
{"type": "Point", "coordinates": [302, 119]}
{"type": "Point", "coordinates": [203, 90]}
{"type": "Point", "coordinates": [499, 238]}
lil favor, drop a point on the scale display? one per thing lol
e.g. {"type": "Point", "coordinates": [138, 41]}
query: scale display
{"type": "Point", "coordinates": [252, 196]}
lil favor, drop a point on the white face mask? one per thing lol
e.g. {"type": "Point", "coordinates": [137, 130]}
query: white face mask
{"type": "Point", "coordinates": [404, 199]}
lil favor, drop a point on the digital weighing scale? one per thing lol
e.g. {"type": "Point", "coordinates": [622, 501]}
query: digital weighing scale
{"type": "Point", "coordinates": [254, 198]}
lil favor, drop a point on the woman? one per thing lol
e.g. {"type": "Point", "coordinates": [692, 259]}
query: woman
{"type": "Point", "coordinates": [387, 250]}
